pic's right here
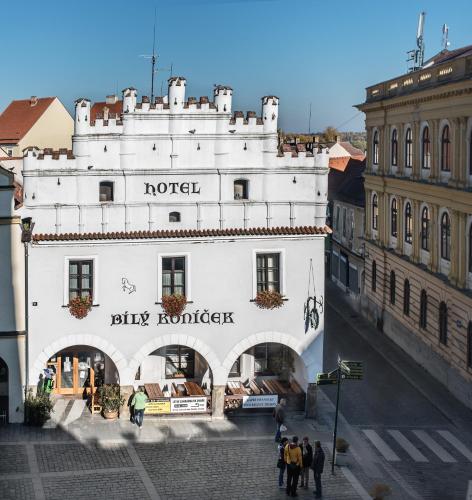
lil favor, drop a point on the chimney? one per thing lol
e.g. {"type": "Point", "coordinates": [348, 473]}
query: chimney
{"type": "Point", "coordinates": [338, 138]}
{"type": "Point", "coordinates": [106, 111]}
{"type": "Point", "coordinates": [33, 100]}
{"type": "Point", "coordinates": [111, 99]}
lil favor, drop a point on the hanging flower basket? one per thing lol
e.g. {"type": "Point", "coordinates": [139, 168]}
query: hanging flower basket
{"type": "Point", "coordinates": [269, 299]}
{"type": "Point", "coordinates": [174, 304]}
{"type": "Point", "coordinates": [79, 307]}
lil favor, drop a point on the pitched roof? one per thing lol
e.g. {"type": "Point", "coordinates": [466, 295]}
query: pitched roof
{"type": "Point", "coordinates": [448, 55]}
{"type": "Point", "coordinates": [20, 116]}
{"type": "Point", "coordinates": [351, 190]}
{"type": "Point", "coordinates": [186, 233]}
{"type": "Point", "coordinates": [113, 108]}
{"type": "Point", "coordinates": [352, 150]}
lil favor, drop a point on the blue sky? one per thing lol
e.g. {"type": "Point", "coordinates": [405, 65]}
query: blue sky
{"type": "Point", "coordinates": [303, 51]}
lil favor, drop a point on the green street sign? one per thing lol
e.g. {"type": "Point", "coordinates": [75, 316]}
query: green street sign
{"type": "Point", "coordinates": [352, 370]}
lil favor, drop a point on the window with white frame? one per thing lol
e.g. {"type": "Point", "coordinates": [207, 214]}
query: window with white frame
{"type": "Point", "coordinates": [268, 272]}
{"type": "Point", "coordinates": [80, 278]}
{"type": "Point", "coordinates": [173, 275]}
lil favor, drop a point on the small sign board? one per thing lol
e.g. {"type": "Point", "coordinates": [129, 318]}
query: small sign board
{"type": "Point", "coordinates": [352, 370]}
{"type": "Point", "coordinates": [188, 405]}
{"type": "Point", "coordinates": [326, 379]}
{"type": "Point", "coordinates": [265, 401]}
{"type": "Point", "coordinates": [158, 407]}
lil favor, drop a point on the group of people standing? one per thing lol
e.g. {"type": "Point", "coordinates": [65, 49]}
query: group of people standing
{"type": "Point", "coordinates": [297, 458]}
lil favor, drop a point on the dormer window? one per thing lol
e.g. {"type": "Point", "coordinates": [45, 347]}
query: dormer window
{"type": "Point", "coordinates": [106, 191]}
{"type": "Point", "coordinates": [174, 217]}
{"type": "Point", "coordinates": [241, 189]}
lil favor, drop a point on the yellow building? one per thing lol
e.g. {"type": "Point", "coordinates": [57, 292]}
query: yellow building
{"type": "Point", "coordinates": [43, 122]}
{"type": "Point", "coordinates": [418, 187]}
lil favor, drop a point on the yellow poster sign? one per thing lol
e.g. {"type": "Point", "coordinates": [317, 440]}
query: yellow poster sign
{"type": "Point", "coordinates": [158, 407]}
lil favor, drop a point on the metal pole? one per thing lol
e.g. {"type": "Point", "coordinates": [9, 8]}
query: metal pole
{"type": "Point", "coordinates": [26, 325]}
{"type": "Point", "coordinates": [336, 416]}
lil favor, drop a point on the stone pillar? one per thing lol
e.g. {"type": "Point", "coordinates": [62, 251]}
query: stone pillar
{"type": "Point", "coordinates": [434, 145]}
{"type": "Point", "coordinates": [400, 224]}
{"type": "Point", "coordinates": [462, 266]}
{"type": "Point", "coordinates": [384, 213]}
{"type": "Point", "coordinates": [455, 150]}
{"type": "Point", "coordinates": [368, 165]}
{"type": "Point", "coordinates": [462, 162]}
{"type": "Point", "coordinates": [416, 169]}
{"type": "Point", "coordinates": [434, 239]}
{"type": "Point", "coordinates": [310, 403]}
{"type": "Point", "coordinates": [126, 392]}
{"type": "Point", "coordinates": [368, 214]}
{"type": "Point", "coordinates": [218, 402]}
{"type": "Point", "coordinates": [401, 150]}
{"type": "Point", "coordinates": [415, 230]}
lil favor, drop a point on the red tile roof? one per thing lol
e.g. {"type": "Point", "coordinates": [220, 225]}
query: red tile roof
{"type": "Point", "coordinates": [18, 118]}
{"type": "Point", "coordinates": [97, 109]}
{"type": "Point", "coordinates": [186, 233]}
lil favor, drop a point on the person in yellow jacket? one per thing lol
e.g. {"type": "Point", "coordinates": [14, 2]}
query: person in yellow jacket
{"type": "Point", "coordinates": [294, 461]}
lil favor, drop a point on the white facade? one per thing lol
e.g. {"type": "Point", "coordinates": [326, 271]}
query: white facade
{"type": "Point", "coordinates": [169, 170]}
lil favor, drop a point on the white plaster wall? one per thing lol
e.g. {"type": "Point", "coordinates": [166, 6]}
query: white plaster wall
{"type": "Point", "coordinates": [12, 351]}
{"type": "Point", "coordinates": [221, 275]}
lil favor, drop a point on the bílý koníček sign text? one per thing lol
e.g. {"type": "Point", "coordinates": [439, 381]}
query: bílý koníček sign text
{"type": "Point", "coordinates": [189, 318]}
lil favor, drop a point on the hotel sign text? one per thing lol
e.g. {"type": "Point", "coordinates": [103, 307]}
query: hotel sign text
{"type": "Point", "coordinates": [187, 188]}
{"type": "Point", "coordinates": [143, 319]}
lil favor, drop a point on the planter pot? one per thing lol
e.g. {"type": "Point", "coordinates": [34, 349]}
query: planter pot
{"type": "Point", "coordinates": [342, 459]}
{"type": "Point", "coordinates": [110, 415]}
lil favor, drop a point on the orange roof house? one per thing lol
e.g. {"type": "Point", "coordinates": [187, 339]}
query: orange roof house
{"type": "Point", "coordinates": [37, 121]}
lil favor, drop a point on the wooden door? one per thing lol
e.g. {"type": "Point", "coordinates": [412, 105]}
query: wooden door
{"type": "Point", "coordinates": [74, 373]}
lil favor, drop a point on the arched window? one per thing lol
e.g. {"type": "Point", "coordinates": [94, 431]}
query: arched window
{"type": "Point", "coordinates": [375, 148]}
{"type": "Point", "coordinates": [408, 223]}
{"type": "Point", "coordinates": [375, 211]}
{"type": "Point", "coordinates": [174, 217]}
{"type": "Point", "coordinates": [469, 345]}
{"type": "Point", "coordinates": [408, 148]}
{"type": "Point", "coordinates": [426, 149]}
{"type": "Point", "coordinates": [393, 217]}
{"type": "Point", "coordinates": [425, 228]}
{"type": "Point", "coordinates": [241, 189]}
{"type": "Point", "coordinates": [374, 276]}
{"type": "Point", "coordinates": [406, 297]}
{"type": "Point", "coordinates": [445, 237]}
{"type": "Point", "coordinates": [392, 287]}
{"type": "Point", "coordinates": [106, 191]}
{"type": "Point", "coordinates": [423, 309]}
{"type": "Point", "coordinates": [470, 249]}
{"type": "Point", "coordinates": [394, 148]}
{"type": "Point", "coordinates": [443, 323]}
{"type": "Point", "coordinates": [445, 150]}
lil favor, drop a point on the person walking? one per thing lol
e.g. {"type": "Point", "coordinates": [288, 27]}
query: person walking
{"type": "Point", "coordinates": [293, 459]}
{"type": "Point", "coordinates": [317, 466]}
{"type": "Point", "coordinates": [139, 403]}
{"type": "Point", "coordinates": [281, 461]}
{"type": "Point", "coordinates": [279, 415]}
{"type": "Point", "coordinates": [307, 458]}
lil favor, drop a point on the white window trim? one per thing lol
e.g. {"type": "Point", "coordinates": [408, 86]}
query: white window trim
{"type": "Point", "coordinates": [280, 251]}
{"type": "Point", "coordinates": [188, 288]}
{"type": "Point", "coordinates": [95, 282]}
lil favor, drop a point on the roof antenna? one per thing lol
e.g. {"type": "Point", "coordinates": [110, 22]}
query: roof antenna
{"type": "Point", "coordinates": [153, 57]}
{"type": "Point", "coordinates": [416, 56]}
{"type": "Point", "coordinates": [309, 122]}
{"type": "Point", "coordinates": [445, 37]}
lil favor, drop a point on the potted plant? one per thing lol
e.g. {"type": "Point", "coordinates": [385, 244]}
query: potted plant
{"type": "Point", "coordinates": [341, 452]}
{"type": "Point", "coordinates": [269, 299]}
{"type": "Point", "coordinates": [179, 374]}
{"type": "Point", "coordinates": [174, 304]}
{"type": "Point", "coordinates": [379, 491]}
{"type": "Point", "coordinates": [111, 400]}
{"type": "Point", "coordinates": [37, 409]}
{"type": "Point", "coordinates": [79, 307]}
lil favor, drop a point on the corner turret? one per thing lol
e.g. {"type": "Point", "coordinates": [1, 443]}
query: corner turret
{"type": "Point", "coordinates": [129, 99]}
{"type": "Point", "coordinates": [176, 93]}
{"type": "Point", "coordinates": [82, 116]}
{"type": "Point", "coordinates": [270, 113]}
{"type": "Point", "coordinates": [223, 98]}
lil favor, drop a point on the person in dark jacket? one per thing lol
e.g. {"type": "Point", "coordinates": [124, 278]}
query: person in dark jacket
{"type": "Point", "coordinates": [281, 461]}
{"type": "Point", "coordinates": [279, 415]}
{"type": "Point", "coordinates": [307, 458]}
{"type": "Point", "coordinates": [317, 466]}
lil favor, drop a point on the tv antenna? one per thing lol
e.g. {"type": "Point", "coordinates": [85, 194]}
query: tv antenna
{"type": "Point", "coordinates": [445, 37]}
{"type": "Point", "coordinates": [416, 56]}
{"type": "Point", "coordinates": [309, 122]}
{"type": "Point", "coordinates": [153, 57]}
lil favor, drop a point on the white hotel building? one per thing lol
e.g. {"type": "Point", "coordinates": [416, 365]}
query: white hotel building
{"type": "Point", "coordinates": [175, 196]}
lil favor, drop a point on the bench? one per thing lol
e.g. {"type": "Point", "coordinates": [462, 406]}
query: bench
{"type": "Point", "coordinates": [153, 391]}
{"type": "Point", "coordinates": [194, 389]}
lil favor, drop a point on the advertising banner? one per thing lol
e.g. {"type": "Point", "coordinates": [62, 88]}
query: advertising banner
{"type": "Point", "coordinates": [266, 401]}
{"type": "Point", "coordinates": [158, 407]}
{"type": "Point", "coordinates": [188, 405]}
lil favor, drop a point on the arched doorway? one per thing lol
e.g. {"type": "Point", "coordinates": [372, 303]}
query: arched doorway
{"type": "Point", "coordinates": [4, 401]}
{"type": "Point", "coordinates": [80, 369]}
{"type": "Point", "coordinates": [264, 374]}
